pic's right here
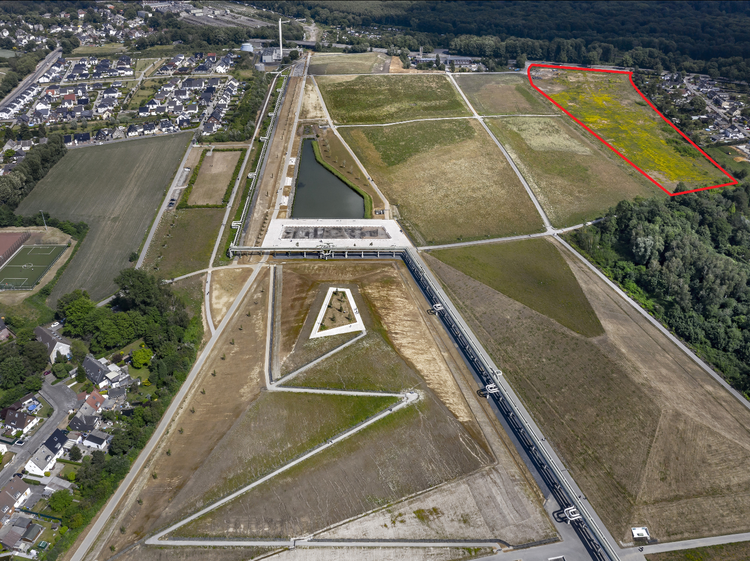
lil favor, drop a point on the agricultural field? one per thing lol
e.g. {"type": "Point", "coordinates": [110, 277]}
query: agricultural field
{"type": "Point", "coordinates": [213, 178]}
{"type": "Point", "coordinates": [611, 107]}
{"type": "Point", "coordinates": [531, 272]}
{"type": "Point", "coordinates": [503, 94]}
{"type": "Point", "coordinates": [729, 552]}
{"type": "Point", "coordinates": [387, 99]}
{"type": "Point", "coordinates": [183, 241]}
{"type": "Point", "coordinates": [359, 63]}
{"type": "Point", "coordinates": [448, 180]}
{"type": "Point", "coordinates": [651, 439]}
{"type": "Point", "coordinates": [116, 190]}
{"type": "Point", "coordinates": [575, 177]}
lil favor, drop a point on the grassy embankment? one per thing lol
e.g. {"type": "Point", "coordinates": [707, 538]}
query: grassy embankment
{"type": "Point", "coordinates": [610, 106]}
{"type": "Point", "coordinates": [360, 63]}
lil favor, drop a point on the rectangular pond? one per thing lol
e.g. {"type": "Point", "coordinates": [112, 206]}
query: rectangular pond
{"type": "Point", "coordinates": [320, 194]}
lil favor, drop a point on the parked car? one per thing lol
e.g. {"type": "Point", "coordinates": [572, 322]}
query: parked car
{"type": "Point", "coordinates": [20, 443]}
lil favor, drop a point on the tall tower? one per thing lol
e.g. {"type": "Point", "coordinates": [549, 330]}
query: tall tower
{"type": "Point", "coordinates": [281, 43]}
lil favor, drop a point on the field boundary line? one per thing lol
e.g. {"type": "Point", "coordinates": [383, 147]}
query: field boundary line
{"type": "Point", "coordinates": [656, 323]}
{"type": "Point", "coordinates": [630, 77]}
{"type": "Point", "coordinates": [532, 196]}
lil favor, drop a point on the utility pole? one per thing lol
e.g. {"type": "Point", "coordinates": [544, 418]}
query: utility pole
{"type": "Point", "coordinates": [43, 220]}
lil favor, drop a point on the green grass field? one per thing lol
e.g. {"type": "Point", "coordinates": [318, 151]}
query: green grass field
{"type": "Point", "coordinates": [503, 94]}
{"type": "Point", "coordinates": [726, 157]}
{"type": "Point", "coordinates": [360, 63]}
{"type": "Point", "coordinates": [390, 98]}
{"type": "Point", "coordinates": [103, 50]}
{"type": "Point", "coordinates": [610, 106]}
{"type": "Point", "coordinates": [531, 272]}
{"type": "Point", "coordinates": [729, 552]}
{"type": "Point", "coordinates": [28, 265]}
{"type": "Point", "coordinates": [448, 179]}
{"type": "Point", "coordinates": [116, 189]}
{"type": "Point", "coordinates": [575, 177]}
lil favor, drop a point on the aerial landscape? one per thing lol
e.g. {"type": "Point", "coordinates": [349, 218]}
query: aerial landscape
{"type": "Point", "coordinates": [392, 281]}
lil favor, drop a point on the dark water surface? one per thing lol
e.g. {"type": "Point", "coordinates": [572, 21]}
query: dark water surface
{"type": "Point", "coordinates": [320, 194]}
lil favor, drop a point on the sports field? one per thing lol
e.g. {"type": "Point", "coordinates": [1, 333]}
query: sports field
{"type": "Point", "coordinates": [28, 265]}
{"type": "Point", "coordinates": [448, 180]}
{"type": "Point", "coordinates": [502, 94]}
{"type": "Point", "coordinates": [389, 98]}
{"type": "Point", "coordinates": [575, 177]}
{"type": "Point", "coordinates": [338, 63]}
{"type": "Point", "coordinates": [610, 106]}
{"type": "Point", "coordinates": [114, 188]}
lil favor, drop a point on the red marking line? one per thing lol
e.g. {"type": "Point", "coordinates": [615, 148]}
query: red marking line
{"type": "Point", "coordinates": [630, 76]}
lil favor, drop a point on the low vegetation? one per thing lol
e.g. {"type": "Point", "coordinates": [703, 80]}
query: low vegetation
{"type": "Point", "coordinates": [608, 104]}
{"type": "Point", "coordinates": [503, 94]}
{"type": "Point", "coordinates": [729, 552]}
{"type": "Point", "coordinates": [116, 189]}
{"type": "Point", "coordinates": [447, 179]}
{"type": "Point", "coordinates": [532, 272]}
{"type": "Point", "coordinates": [360, 63]}
{"type": "Point", "coordinates": [384, 99]}
{"type": "Point", "coordinates": [575, 178]}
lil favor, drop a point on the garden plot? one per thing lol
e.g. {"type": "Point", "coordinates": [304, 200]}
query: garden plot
{"type": "Point", "coordinates": [574, 177]}
{"type": "Point", "coordinates": [391, 98]}
{"type": "Point", "coordinates": [650, 438]}
{"type": "Point", "coordinates": [448, 180]}
{"type": "Point", "coordinates": [502, 94]}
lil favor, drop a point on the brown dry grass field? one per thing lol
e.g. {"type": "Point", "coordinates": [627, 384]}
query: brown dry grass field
{"type": "Point", "coordinates": [183, 241]}
{"type": "Point", "coordinates": [650, 438]}
{"type": "Point", "coordinates": [213, 178]}
{"type": "Point", "coordinates": [447, 178]}
{"type": "Point", "coordinates": [192, 436]}
{"type": "Point", "coordinates": [729, 552]}
{"type": "Point", "coordinates": [503, 94]}
{"type": "Point", "coordinates": [332, 150]}
{"type": "Point", "coordinates": [146, 553]}
{"type": "Point", "coordinates": [359, 63]}
{"type": "Point", "coordinates": [338, 311]}
{"type": "Point", "coordinates": [575, 177]}
{"type": "Point", "coordinates": [226, 284]}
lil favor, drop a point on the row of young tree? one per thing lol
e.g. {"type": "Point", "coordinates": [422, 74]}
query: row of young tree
{"type": "Point", "coordinates": [687, 260]}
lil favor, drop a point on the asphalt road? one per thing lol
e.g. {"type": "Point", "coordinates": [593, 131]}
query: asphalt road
{"type": "Point", "coordinates": [41, 68]}
{"type": "Point", "coordinates": [62, 399]}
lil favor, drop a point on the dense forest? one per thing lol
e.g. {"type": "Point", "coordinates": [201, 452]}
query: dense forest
{"type": "Point", "coordinates": [708, 37]}
{"type": "Point", "coordinates": [687, 260]}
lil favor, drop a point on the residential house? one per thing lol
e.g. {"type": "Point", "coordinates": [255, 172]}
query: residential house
{"type": "Point", "coordinates": [97, 440]}
{"type": "Point", "coordinates": [68, 100]}
{"type": "Point", "coordinates": [12, 496]}
{"type": "Point", "coordinates": [18, 420]}
{"type": "Point", "coordinates": [5, 333]}
{"type": "Point", "coordinates": [43, 460]}
{"type": "Point", "coordinates": [54, 342]}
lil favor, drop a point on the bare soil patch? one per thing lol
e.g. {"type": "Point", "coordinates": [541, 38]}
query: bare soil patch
{"type": "Point", "coordinates": [452, 191]}
{"type": "Point", "coordinates": [203, 419]}
{"type": "Point", "coordinates": [225, 285]}
{"type": "Point", "coordinates": [729, 552]}
{"type": "Point", "coordinates": [213, 178]}
{"type": "Point", "coordinates": [382, 554]}
{"type": "Point", "coordinates": [312, 108]}
{"type": "Point", "coordinates": [650, 438]}
{"type": "Point", "coordinates": [162, 553]}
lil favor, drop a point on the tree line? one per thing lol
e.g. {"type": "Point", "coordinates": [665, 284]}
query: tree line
{"type": "Point", "coordinates": [687, 260]}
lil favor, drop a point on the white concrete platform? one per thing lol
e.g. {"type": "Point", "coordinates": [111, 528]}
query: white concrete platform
{"type": "Point", "coordinates": [334, 233]}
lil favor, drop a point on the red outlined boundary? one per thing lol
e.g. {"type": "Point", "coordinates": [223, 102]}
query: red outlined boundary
{"type": "Point", "coordinates": [630, 76]}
